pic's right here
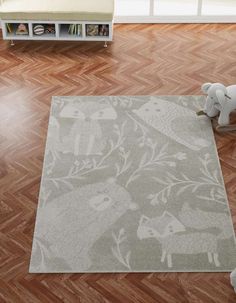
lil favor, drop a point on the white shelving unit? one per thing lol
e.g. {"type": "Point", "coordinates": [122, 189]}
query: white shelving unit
{"type": "Point", "coordinates": [61, 31]}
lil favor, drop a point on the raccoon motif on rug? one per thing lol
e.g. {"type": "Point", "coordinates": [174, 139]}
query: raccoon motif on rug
{"type": "Point", "coordinates": [86, 136]}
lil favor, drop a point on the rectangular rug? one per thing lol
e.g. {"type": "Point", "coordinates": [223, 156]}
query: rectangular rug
{"type": "Point", "coordinates": [131, 184]}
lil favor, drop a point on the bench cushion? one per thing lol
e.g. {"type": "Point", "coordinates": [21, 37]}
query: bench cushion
{"type": "Point", "coordinates": [55, 10]}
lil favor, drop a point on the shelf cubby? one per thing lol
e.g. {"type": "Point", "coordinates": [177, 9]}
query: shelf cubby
{"type": "Point", "coordinates": [11, 29]}
{"type": "Point", "coordinates": [97, 30]}
{"type": "Point", "coordinates": [71, 30]}
{"type": "Point", "coordinates": [43, 30]}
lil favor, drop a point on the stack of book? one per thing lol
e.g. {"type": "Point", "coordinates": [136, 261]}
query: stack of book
{"type": "Point", "coordinates": [75, 29]}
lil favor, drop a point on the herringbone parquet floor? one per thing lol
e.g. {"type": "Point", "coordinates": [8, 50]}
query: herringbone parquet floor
{"type": "Point", "coordinates": [144, 59]}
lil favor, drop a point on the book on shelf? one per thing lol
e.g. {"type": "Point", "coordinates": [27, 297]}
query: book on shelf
{"type": "Point", "coordinates": [9, 28]}
{"type": "Point", "coordinates": [75, 29]}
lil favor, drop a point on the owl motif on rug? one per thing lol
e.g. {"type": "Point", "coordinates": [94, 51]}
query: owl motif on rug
{"type": "Point", "coordinates": [175, 121]}
{"type": "Point", "coordinates": [85, 136]}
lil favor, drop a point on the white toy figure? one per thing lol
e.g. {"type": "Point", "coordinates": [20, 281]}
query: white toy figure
{"type": "Point", "coordinates": [220, 100]}
{"type": "Point", "coordinates": [233, 279]}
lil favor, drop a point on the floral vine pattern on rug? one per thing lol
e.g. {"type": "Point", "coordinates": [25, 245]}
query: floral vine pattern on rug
{"type": "Point", "coordinates": [138, 126]}
{"type": "Point", "coordinates": [183, 183]}
{"type": "Point", "coordinates": [124, 155]}
{"type": "Point", "coordinates": [83, 167]}
{"type": "Point", "coordinates": [150, 161]}
{"type": "Point", "coordinates": [155, 156]}
{"type": "Point", "coordinates": [117, 251]}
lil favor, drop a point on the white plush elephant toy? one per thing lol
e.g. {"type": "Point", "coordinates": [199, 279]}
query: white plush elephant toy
{"type": "Point", "coordinates": [233, 279]}
{"type": "Point", "coordinates": [220, 100]}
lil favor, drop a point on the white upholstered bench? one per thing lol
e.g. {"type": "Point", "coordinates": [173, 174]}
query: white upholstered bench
{"type": "Point", "coordinates": [73, 20]}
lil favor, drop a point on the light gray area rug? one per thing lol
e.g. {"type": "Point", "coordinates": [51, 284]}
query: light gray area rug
{"type": "Point", "coordinates": [131, 184]}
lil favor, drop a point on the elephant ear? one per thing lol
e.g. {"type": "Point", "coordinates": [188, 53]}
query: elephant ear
{"type": "Point", "coordinates": [220, 95]}
{"type": "Point", "coordinates": [205, 87]}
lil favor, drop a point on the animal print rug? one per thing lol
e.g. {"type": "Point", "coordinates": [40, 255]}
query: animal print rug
{"type": "Point", "coordinates": [131, 184]}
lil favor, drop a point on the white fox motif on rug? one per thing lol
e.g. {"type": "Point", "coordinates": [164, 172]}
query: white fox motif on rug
{"type": "Point", "coordinates": [131, 184]}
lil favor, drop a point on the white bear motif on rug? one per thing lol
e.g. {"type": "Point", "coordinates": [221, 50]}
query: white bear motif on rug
{"type": "Point", "coordinates": [78, 218]}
